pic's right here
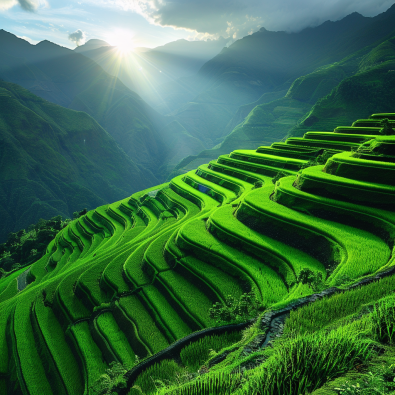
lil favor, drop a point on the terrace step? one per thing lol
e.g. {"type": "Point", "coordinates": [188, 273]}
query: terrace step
{"type": "Point", "coordinates": [338, 137]}
{"type": "Point", "coordinates": [284, 259]}
{"type": "Point", "coordinates": [354, 129]}
{"type": "Point", "coordinates": [268, 160]}
{"type": "Point", "coordinates": [268, 171]}
{"type": "Point", "coordinates": [337, 145]}
{"type": "Point", "coordinates": [315, 181]}
{"type": "Point", "coordinates": [270, 218]}
{"type": "Point", "coordinates": [194, 238]}
{"type": "Point", "coordinates": [346, 165]}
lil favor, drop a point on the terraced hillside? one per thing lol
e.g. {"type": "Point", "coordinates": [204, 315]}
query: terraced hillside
{"type": "Point", "coordinates": [130, 278]}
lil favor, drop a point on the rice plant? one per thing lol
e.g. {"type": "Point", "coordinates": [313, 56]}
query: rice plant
{"type": "Point", "coordinates": [305, 363]}
{"type": "Point", "coordinates": [317, 315]}
{"type": "Point", "coordinates": [158, 376]}
{"type": "Point", "coordinates": [383, 319]}
{"type": "Point", "coordinates": [196, 353]}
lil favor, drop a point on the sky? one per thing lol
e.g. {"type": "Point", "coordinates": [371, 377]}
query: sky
{"type": "Point", "coordinates": [151, 23]}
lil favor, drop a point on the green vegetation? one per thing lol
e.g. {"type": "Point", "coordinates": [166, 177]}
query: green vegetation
{"type": "Point", "coordinates": [223, 244]}
{"type": "Point", "coordinates": [236, 310]}
{"type": "Point", "coordinates": [55, 160]}
{"type": "Point", "coordinates": [27, 246]}
{"type": "Point", "coordinates": [194, 355]}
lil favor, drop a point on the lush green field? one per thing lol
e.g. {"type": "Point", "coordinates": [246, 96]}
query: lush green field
{"type": "Point", "coordinates": [128, 279]}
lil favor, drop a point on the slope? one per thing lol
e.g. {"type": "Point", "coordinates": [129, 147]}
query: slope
{"type": "Point", "coordinates": [55, 161]}
{"type": "Point", "coordinates": [72, 80]}
{"type": "Point", "coordinates": [132, 277]}
{"type": "Point", "coordinates": [269, 62]}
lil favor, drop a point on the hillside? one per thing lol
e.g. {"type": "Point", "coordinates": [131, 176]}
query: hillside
{"type": "Point", "coordinates": [55, 161]}
{"type": "Point", "coordinates": [371, 87]}
{"type": "Point", "coordinates": [338, 92]}
{"type": "Point", "coordinates": [72, 80]}
{"type": "Point", "coordinates": [268, 61]}
{"type": "Point", "coordinates": [130, 278]}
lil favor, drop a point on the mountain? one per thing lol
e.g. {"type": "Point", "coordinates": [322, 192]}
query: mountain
{"type": "Point", "coordinates": [91, 45]}
{"type": "Point", "coordinates": [302, 107]}
{"type": "Point", "coordinates": [268, 61]}
{"type": "Point", "coordinates": [372, 87]}
{"type": "Point", "coordinates": [54, 161]}
{"type": "Point", "coordinates": [155, 74]}
{"type": "Point", "coordinates": [72, 80]}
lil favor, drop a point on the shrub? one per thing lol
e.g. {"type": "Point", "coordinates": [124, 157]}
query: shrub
{"type": "Point", "coordinates": [236, 310]}
{"type": "Point", "coordinates": [314, 280]}
{"type": "Point", "coordinates": [386, 127]}
{"type": "Point", "coordinates": [114, 377]}
{"type": "Point", "coordinates": [279, 175]}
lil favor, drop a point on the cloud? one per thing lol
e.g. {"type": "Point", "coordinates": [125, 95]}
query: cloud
{"type": "Point", "coordinates": [26, 5]}
{"type": "Point", "coordinates": [7, 4]}
{"type": "Point", "coordinates": [237, 18]}
{"type": "Point", "coordinates": [78, 37]}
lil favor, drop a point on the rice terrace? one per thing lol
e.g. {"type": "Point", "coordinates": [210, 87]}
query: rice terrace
{"type": "Point", "coordinates": [126, 280]}
{"type": "Point", "coordinates": [197, 198]}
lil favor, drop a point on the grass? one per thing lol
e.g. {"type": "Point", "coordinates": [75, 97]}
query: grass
{"type": "Point", "coordinates": [196, 354]}
{"type": "Point", "coordinates": [304, 363]}
{"type": "Point", "coordinates": [156, 376]}
{"type": "Point", "coordinates": [324, 312]}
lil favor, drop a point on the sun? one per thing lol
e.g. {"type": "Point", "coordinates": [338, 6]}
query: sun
{"type": "Point", "coordinates": [123, 40]}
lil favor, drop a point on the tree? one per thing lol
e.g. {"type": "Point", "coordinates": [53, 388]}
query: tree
{"type": "Point", "coordinates": [386, 129]}
{"type": "Point", "coordinates": [231, 309]}
{"type": "Point", "coordinates": [111, 379]}
{"type": "Point", "coordinates": [314, 280]}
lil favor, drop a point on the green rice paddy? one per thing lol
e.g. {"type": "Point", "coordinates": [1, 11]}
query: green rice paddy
{"type": "Point", "coordinates": [128, 279]}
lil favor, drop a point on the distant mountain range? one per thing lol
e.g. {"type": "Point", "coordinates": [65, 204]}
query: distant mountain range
{"type": "Point", "coordinates": [72, 80]}
{"type": "Point", "coordinates": [156, 74]}
{"type": "Point", "coordinates": [364, 43]}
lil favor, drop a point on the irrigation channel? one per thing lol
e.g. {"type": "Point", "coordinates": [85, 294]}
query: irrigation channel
{"type": "Point", "coordinates": [272, 322]}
